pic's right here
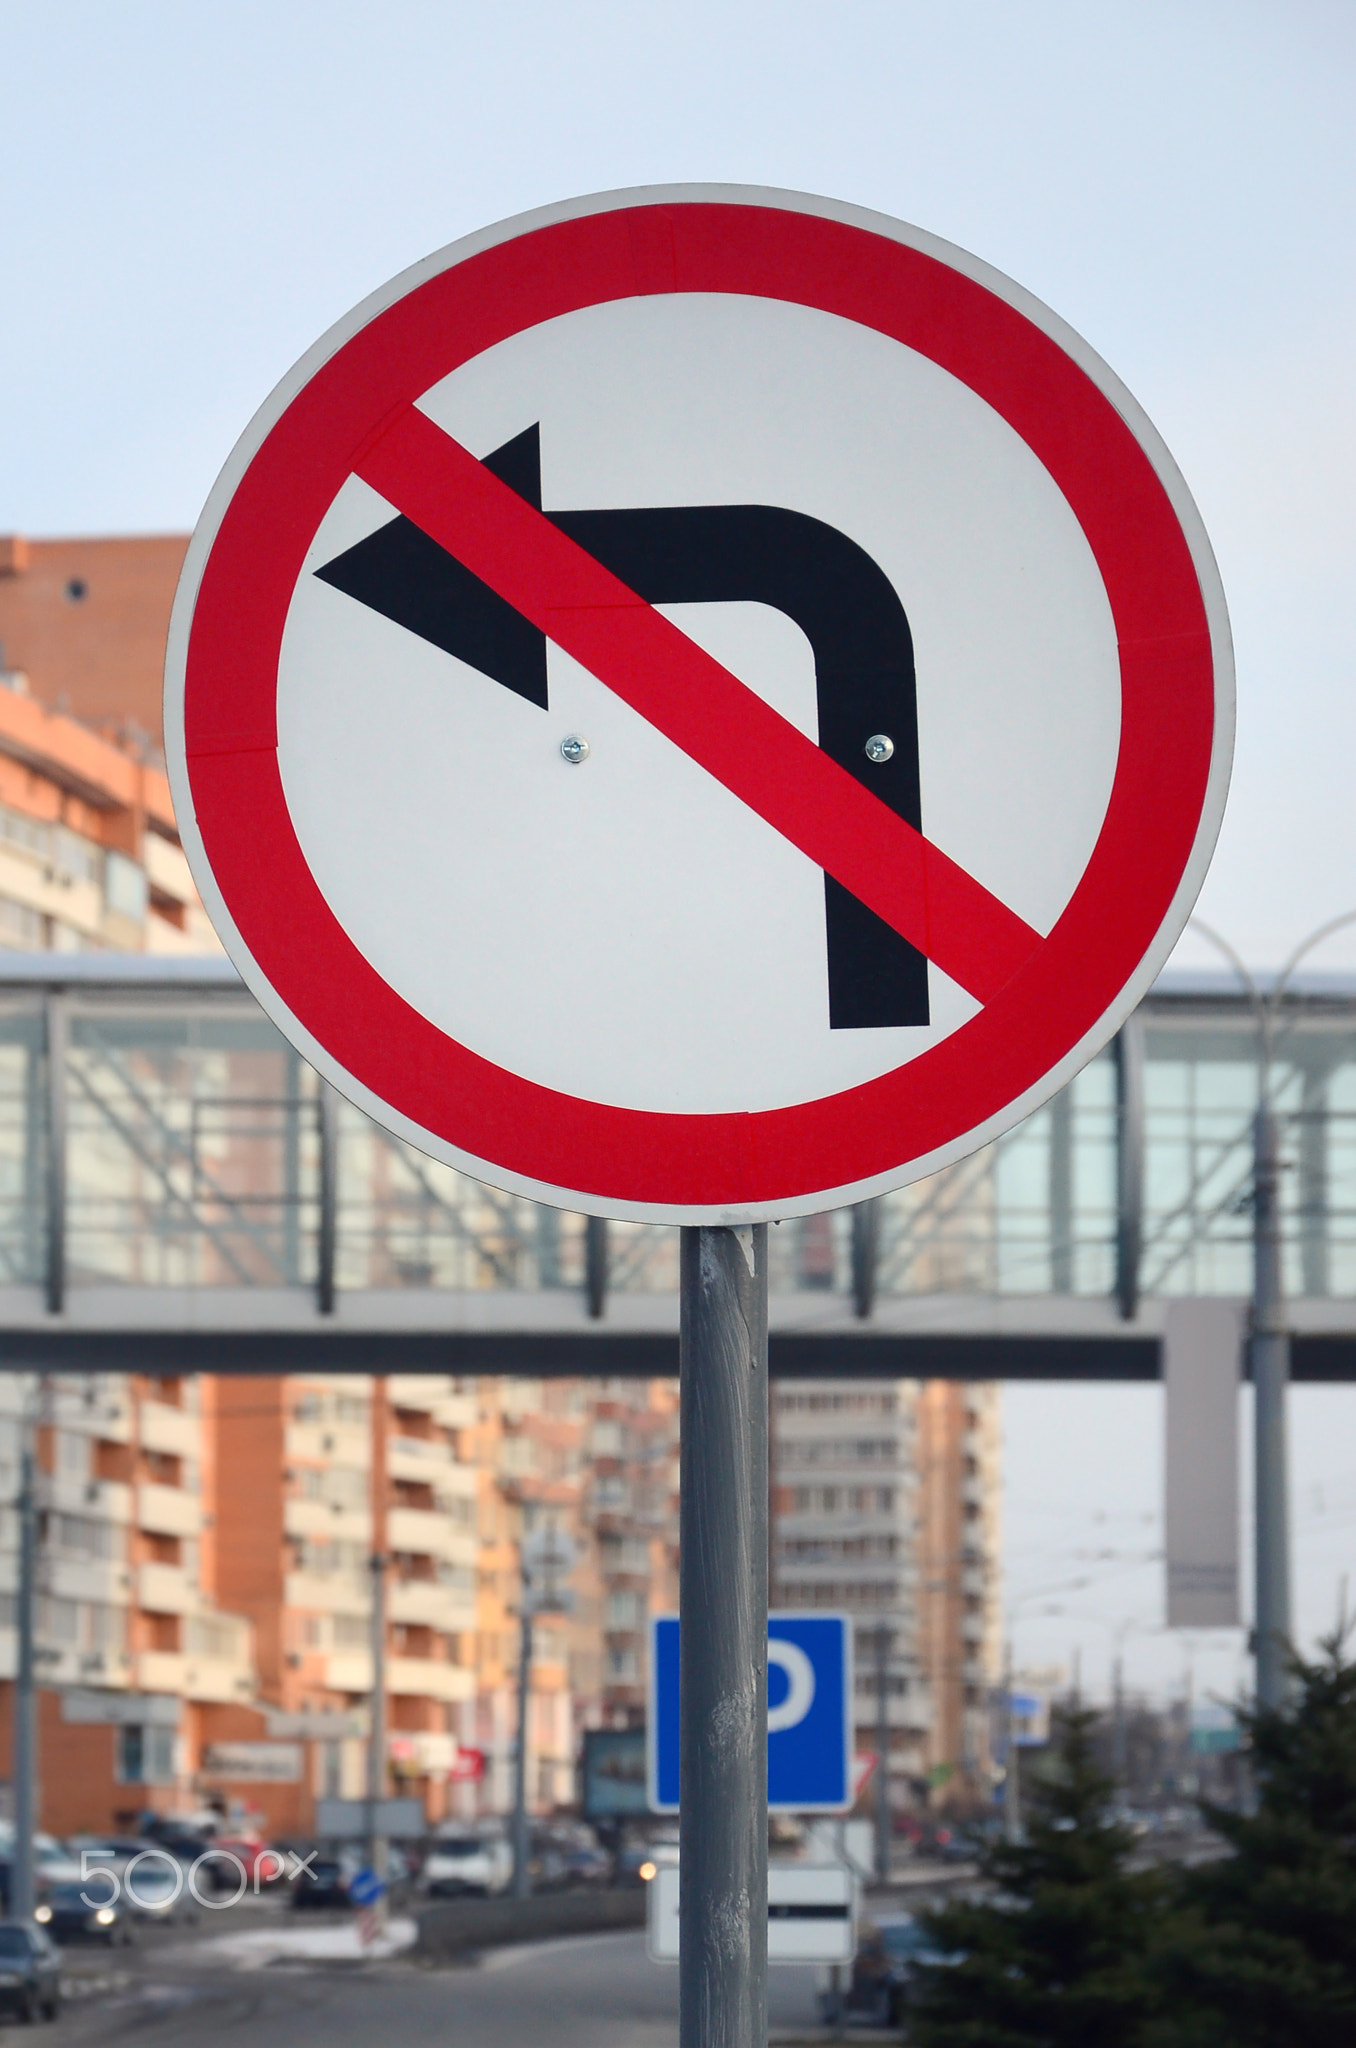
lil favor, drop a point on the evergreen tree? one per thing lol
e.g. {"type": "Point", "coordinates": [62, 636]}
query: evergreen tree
{"type": "Point", "coordinates": [1056, 1956]}
{"type": "Point", "coordinates": [1261, 1952]}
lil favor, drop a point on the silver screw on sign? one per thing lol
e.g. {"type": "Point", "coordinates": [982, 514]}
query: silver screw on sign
{"type": "Point", "coordinates": [576, 749]}
{"type": "Point", "coordinates": [879, 747]}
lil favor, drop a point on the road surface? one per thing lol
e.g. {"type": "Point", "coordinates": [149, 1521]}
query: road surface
{"type": "Point", "coordinates": [593, 1991]}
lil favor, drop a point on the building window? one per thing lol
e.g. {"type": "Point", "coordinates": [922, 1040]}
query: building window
{"type": "Point", "coordinates": [125, 888]}
{"type": "Point", "coordinates": [145, 1755]}
{"type": "Point", "coordinates": [217, 1635]}
{"type": "Point", "coordinates": [22, 926]}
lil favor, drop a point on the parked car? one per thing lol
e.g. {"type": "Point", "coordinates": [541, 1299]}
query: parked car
{"type": "Point", "coordinates": [64, 1913]}
{"type": "Point", "coordinates": [30, 1971]}
{"type": "Point", "coordinates": [466, 1865]}
{"type": "Point", "coordinates": [158, 1890]}
{"type": "Point", "coordinates": [108, 1852]}
{"type": "Point", "coordinates": [637, 1862]}
{"type": "Point", "coordinates": [888, 1953]}
{"type": "Point", "coordinates": [587, 1864]}
{"type": "Point", "coordinates": [165, 1833]}
{"type": "Point", "coordinates": [222, 1874]}
{"type": "Point", "coordinates": [324, 1882]}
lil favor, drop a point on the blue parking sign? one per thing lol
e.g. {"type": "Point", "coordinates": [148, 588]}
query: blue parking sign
{"type": "Point", "coordinates": [809, 1713]}
{"type": "Point", "coordinates": [365, 1888]}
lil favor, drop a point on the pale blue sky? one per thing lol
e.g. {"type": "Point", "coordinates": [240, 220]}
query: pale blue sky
{"type": "Point", "coordinates": [192, 194]}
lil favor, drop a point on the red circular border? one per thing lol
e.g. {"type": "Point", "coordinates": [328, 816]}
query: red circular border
{"type": "Point", "coordinates": [725, 1160]}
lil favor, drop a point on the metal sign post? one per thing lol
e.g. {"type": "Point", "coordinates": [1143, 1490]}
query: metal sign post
{"type": "Point", "coordinates": [722, 1974]}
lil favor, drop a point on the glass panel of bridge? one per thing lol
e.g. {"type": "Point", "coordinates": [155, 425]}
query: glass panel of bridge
{"type": "Point", "coordinates": [191, 1147]}
{"type": "Point", "coordinates": [23, 1146]}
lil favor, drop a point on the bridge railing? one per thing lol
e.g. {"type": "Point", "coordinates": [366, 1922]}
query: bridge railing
{"type": "Point", "coordinates": [157, 1131]}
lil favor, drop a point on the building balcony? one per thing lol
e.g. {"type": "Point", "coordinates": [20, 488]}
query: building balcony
{"type": "Point", "coordinates": [105, 1416]}
{"type": "Point", "coordinates": [165, 1589]}
{"type": "Point", "coordinates": [167, 870]}
{"type": "Point", "coordinates": [426, 1460]}
{"type": "Point", "coordinates": [87, 1578]}
{"type": "Point", "coordinates": [426, 1678]}
{"type": "Point", "coordinates": [429, 1678]}
{"type": "Point", "coordinates": [100, 1498]}
{"type": "Point", "coordinates": [337, 1443]}
{"type": "Point", "coordinates": [424, 1532]}
{"type": "Point", "coordinates": [419, 1391]}
{"type": "Point", "coordinates": [176, 1430]}
{"type": "Point", "coordinates": [425, 1602]}
{"type": "Point", "coordinates": [349, 1671]}
{"type": "Point", "coordinates": [109, 1500]}
{"type": "Point", "coordinates": [456, 1411]}
{"type": "Point", "coordinates": [168, 1510]}
{"type": "Point", "coordinates": [65, 1665]}
{"type": "Point", "coordinates": [912, 1712]}
{"type": "Point", "coordinates": [216, 1680]}
{"type": "Point", "coordinates": [422, 1749]}
{"type": "Point", "coordinates": [328, 1592]}
{"type": "Point", "coordinates": [323, 1518]}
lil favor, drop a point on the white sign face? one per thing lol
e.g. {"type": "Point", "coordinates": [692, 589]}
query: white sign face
{"type": "Point", "coordinates": [699, 705]}
{"type": "Point", "coordinates": [275, 1763]}
{"type": "Point", "coordinates": [811, 1914]}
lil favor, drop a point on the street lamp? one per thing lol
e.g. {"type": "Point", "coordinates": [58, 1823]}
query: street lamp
{"type": "Point", "coordinates": [545, 1557]}
{"type": "Point", "coordinates": [1117, 1631]}
{"type": "Point", "coordinates": [1270, 1344]}
{"type": "Point", "coordinates": [1012, 1782]}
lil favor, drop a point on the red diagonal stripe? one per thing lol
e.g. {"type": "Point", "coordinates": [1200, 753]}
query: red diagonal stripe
{"type": "Point", "coordinates": [766, 762]}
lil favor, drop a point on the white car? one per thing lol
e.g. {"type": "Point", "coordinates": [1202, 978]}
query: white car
{"type": "Point", "coordinates": [464, 1864]}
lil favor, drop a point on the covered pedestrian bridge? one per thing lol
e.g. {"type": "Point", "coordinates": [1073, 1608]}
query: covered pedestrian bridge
{"type": "Point", "coordinates": [179, 1192]}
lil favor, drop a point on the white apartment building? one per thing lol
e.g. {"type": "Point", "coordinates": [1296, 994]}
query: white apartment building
{"type": "Point", "coordinates": [845, 1536]}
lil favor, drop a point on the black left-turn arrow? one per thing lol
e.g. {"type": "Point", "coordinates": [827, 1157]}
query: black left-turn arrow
{"type": "Point", "coordinates": [830, 587]}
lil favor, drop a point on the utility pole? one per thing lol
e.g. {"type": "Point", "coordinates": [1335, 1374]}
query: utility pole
{"type": "Point", "coordinates": [522, 1881]}
{"type": "Point", "coordinates": [1270, 1378]}
{"type": "Point", "coordinates": [25, 1739]}
{"type": "Point", "coordinates": [376, 1743]}
{"type": "Point", "coordinates": [545, 1558]}
{"type": "Point", "coordinates": [883, 1635]}
{"type": "Point", "coordinates": [1012, 1783]}
{"type": "Point", "coordinates": [1120, 1754]}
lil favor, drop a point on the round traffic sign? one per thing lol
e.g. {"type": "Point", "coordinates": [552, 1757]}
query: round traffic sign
{"type": "Point", "coordinates": [699, 704]}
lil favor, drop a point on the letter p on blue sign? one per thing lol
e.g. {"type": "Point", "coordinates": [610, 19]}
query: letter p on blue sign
{"type": "Point", "coordinates": [809, 1718]}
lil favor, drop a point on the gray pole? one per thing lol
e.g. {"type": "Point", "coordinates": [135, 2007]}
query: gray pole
{"type": "Point", "coordinates": [1270, 1375]}
{"type": "Point", "coordinates": [25, 1750]}
{"type": "Point", "coordinates": [522, 1883]}
{"type": "Point", "coordinates": [722, 1969]}
{"type": "Point", "coordinates": [1120, 1759]}
{"type": "Point", "coordinates": [1012, 1777]}
{"type": "Point", "coordinates": [376, 1747]}
{"type": "Point", "coordinates": [882, 1754]}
